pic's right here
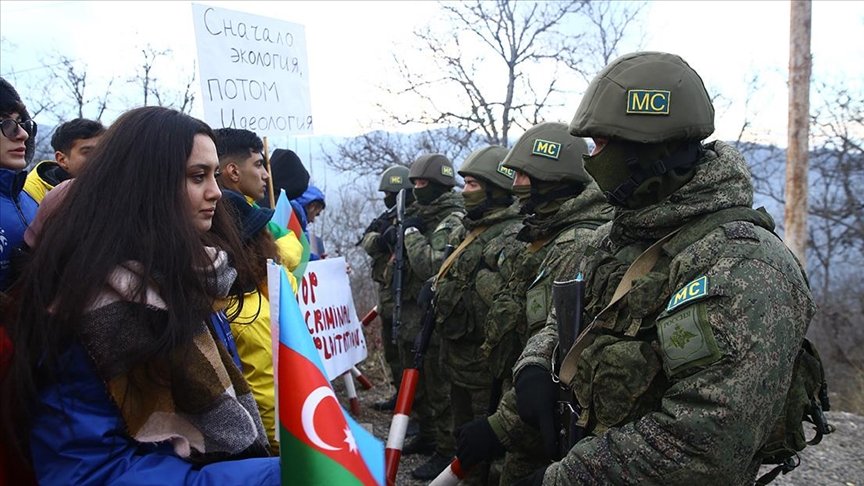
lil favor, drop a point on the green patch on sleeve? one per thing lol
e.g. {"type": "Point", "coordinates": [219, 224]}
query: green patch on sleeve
{"type": "Point", "coordinates": [687, 340]}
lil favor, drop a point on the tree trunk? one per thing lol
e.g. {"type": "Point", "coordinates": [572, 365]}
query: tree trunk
{"type": "Point", "coordinates": [799, 128]}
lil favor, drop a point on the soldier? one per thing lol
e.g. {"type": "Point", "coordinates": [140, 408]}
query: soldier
{"type": "Point", "coordinates": [435, 213]}
{"type": "Point", "coordinates": [565, 207]}
{"type": "Point", "coordinates": [378, 241]}
{"type": "Point", "coordinates": [468, 281]}
{"type": "Point", "coordinates": [683, 374]}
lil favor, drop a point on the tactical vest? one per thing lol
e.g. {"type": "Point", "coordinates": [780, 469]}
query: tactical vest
{"type": "Point", "coordinates": [806, 399]}
{"type": "Point", "coordinates": [465, 292]}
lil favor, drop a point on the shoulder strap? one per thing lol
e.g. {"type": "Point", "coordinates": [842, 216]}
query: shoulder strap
{"type": "Point", "coordinates": [641, 266]}
{"type": "Point", "coordinates": [459, 249]}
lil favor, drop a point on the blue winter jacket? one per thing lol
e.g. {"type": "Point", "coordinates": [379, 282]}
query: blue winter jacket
{"type": "Point", "coordinates": [299, 205]}
{"type": "Point", "coordinates": [79, 438]}
{"type": "Point", "coordinates": [17, 210]}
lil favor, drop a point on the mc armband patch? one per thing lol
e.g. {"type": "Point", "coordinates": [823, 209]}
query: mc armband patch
{"type": "Point", "coordinates": [687, 340]}
{"type": "Point", "coordinates": [688, 293]}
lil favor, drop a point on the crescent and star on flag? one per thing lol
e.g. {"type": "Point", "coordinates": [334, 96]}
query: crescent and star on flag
{"type": "Point", "coordinates": [310, 405]}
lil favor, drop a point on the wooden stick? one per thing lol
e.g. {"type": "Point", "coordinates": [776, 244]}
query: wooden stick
{"type": "Point", "coordinates": [269, 174]}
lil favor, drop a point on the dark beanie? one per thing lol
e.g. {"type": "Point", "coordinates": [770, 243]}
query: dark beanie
{"type": "Point", "coordinates": [288, 173]}
{"type": "Point", "coordinates": [250, 220]}
{"type": "Point", "coordinates": [10, 103]}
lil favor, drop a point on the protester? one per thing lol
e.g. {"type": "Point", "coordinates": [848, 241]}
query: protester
{"type": "Point", "coordinates": [241, 160]}
{"type": "Point", "coordinates": [117, 377]}
{"type": "Point", "coordinates": [250, 316]}
{"type": "Point", "coordinates": [17, 208]}
{"type": "Point", "coordinates": [73, 142]}
{"type": "Point", "coordinates": [288, 174]}
{"type": "Point", "coordinates": [307, 207]}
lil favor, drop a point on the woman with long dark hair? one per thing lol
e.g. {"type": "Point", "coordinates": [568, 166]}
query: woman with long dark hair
{"type": "Point", "coordinates": [117, 375]}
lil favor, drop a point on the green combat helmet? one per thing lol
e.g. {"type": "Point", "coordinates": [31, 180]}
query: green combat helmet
{"type": "Point", "coordinates": [434, 167]}
{"type": "Point", "coordinates": [394, 179]}
{"type": "Point", "coordinates": [645, 97]}
{"type": "Point", "coordinates": [548, 152]}
{"type": "Point", "coordinates": [487, 164]}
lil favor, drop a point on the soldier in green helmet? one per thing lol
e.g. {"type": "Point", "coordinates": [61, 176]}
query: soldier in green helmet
{"type": "Point", "coordinates": [437, 210]}
{"type": "Point", "coordinates": [378, 242]}
{"type": "Point", "coordinates": [466, 285]}
{"type": "Point", "coordinates": [564, 208]}
{"type": "Point", "coordinates": [697, 310]}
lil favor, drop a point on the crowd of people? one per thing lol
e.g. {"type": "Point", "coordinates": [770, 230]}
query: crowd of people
{"type": "Point", "coordinates": [135, 342]}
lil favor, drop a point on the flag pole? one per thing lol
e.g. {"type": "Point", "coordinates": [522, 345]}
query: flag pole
{"type": "Point", "coordinates": [269, 175]}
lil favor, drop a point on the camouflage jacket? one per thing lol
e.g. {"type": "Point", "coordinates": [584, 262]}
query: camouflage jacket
{"type": "Point", "coordinates": [689, 371]}
{"type": "Point", "coordinates": [425, 253]}
{"type": "Point", "coordinates": [382, 272]}
{"type": "Point", "coordinates": [521, 307]}
{"type": "Point", "coordinates": [465, 293]}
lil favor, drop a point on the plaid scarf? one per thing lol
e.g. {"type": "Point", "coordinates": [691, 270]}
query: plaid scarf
{"type": "Point", "coordinates": [195, 398]}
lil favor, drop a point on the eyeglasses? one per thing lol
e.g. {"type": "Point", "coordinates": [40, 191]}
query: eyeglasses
{"type": "Point", "coordinates": [9, 127]}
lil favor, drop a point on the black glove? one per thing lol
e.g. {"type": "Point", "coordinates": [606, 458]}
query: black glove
{"type": "Point", "coordinates": [536, 399]}
{"type": "Point", "coordinates": [535, 479]}
{"type": "Point", "coordinates": [381, 223]}
{"type": "Point", "coordinates": [476, 442]}
{"type": "Point", "coordinates": [386, 241]}
{"type": "Point", "coordinates": [413, 222]}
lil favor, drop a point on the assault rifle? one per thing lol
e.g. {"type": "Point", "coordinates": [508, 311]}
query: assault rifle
{"type": "Point", "coordinates": [399, 260]}
{"type": "Point", "coordinates": [568, 299]}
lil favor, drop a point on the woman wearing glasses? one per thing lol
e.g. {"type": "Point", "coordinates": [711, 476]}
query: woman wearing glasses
{"type": "Point", "coordinates": [17, 208]}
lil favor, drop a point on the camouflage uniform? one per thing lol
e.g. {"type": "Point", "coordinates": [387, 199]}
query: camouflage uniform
{"type": "Point", "coordinates": [521, 309]}
{"type": "Point", "coordinates": [683, 387]}
{"type": "Point", "coordinates": [425, 252]}
{"type": "Point", "coordinates": [382, 274]}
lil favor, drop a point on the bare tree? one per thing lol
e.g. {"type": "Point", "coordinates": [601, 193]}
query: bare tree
{"type": "Point", "coordinates": [373, 152]}
{"type": "Point", "coordinates": [152, 90]}
{"type": "Point", "coordinates": [608, 23]}
{"type": "Point", "coordinates": [511, 40]}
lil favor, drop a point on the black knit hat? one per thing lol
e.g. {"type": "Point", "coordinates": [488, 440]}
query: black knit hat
{"type": "Point", "coordinates": [10, 103]}
{"type": "Point", "coordinates": [288, 173]}
{"type": "Point", "coordinates": [250, 220]}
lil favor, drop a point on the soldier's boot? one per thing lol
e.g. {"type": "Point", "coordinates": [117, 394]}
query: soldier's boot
{"type": "Point", "coordinates": [419, 445]}
{"type": "Point", "coordinates": [431, 468]}
{"type": "Point", "coordinates": [386, 405]}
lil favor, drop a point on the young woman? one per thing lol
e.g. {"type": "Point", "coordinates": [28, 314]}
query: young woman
{"type": "Point", "coordinates": [119, 374]}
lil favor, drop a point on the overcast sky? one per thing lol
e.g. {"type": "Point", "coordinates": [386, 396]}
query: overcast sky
{"type": "Point", "coordinates": [349, 46]}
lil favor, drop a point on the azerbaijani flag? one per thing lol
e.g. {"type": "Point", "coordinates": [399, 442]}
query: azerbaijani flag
{"type": "Point", "coordinates": [285, 216]}
{"type": "Point", "coordinates": [319, 442]}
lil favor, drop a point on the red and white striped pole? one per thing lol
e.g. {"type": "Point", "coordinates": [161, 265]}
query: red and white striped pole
{"type": "Point", "coordinates": [450, 476]}
{"type": "Point", "coordinates": [399, 425]}
{"type": "Point", "coordinates": [370, 316]}
{"type": "Point", "coordinates": [352, 394]}
{"type": "Point", "coordinates": [364, 382]}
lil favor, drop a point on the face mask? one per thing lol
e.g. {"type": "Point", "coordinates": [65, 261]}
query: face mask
{"type": "Point", "coordinates": [429, 193]}
{"type": "Point", "coordinates": [522, 193]}
{"type": "Point", "coordinates": [616, 165]}
{"type": "Point", "coordinates": [390, 199]}
{"type": "Point", "coordinates": [473, 199]}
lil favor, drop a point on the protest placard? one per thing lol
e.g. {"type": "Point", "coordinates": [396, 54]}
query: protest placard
{"type": "Point", "coordinates": [328, 311]}
{"type": "Point", "coordinates": [254, 72]}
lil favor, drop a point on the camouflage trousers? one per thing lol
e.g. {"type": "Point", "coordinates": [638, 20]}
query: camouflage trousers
{"type": "Point", "coordinates": [524, 456]}
{"type": "Point", "coordinates": [432, 399]}
{"type": "Point", "coordinates": [469, 404]}
{"type": "Point", "coordinates": [391, 352]}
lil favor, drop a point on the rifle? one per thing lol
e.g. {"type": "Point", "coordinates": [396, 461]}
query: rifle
{"type": "Point", "coordinates": [568, 299]}
{"type": "Point", "coordinates": [410, 376]}
{"type": "Point", "coordinates": [399, 260]}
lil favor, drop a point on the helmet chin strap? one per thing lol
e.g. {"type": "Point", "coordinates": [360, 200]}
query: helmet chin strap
{"type": "Point", "coordinates": [685, 157]}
